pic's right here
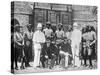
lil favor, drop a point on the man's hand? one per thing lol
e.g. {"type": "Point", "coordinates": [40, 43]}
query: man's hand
{"type": "Point", "coordinates": [46, 56]}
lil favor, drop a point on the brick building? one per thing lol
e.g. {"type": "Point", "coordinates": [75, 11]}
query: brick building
{"type": "Point", "coordinates": [29, 12]}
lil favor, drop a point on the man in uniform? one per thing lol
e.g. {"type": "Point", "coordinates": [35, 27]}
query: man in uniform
{"type": "Point", "coordinates": [38, 40]}
{"type": "Point", "coordinates": [75, 43]}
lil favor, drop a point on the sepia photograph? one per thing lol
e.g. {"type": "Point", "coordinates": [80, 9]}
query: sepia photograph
{"type": "Point", "coordinates": [53, 37]}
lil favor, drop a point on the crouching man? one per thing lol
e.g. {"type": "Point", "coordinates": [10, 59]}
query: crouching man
{"type": "Point", "coordinates": [66, 51]}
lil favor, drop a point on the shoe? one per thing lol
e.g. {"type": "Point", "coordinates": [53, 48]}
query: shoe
{"type": "Point", "coordinates": [90, 66]}
{"type": "Point", "coordinates": [22, 67]}
{"type": "Point", "coordinates": [16, 68]}
{"type": "Point", "coordinates": [12, 71]}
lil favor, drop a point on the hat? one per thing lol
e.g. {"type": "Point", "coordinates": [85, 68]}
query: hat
{"type": "Point", "coordinates": [39, 25]}
{"type": "Point", "coordinates": [48, 23]}
{"type": "Point", "coordinates": [17, 26]}
{"type": "Point", "coordinates": [75, 24]}
{"type": "Point", "coordinates": [60, 24]}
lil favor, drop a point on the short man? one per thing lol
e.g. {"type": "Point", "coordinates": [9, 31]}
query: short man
{"type": "Point", "coordinates": [38, 40]}
{"type": "Point", "coordinates": [75, 42]}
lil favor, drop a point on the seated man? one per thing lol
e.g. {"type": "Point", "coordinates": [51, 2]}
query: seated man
{"type": "Point", "coordinates": [49, 51]}
{"type": "Point", "coordinates": [66, 51]}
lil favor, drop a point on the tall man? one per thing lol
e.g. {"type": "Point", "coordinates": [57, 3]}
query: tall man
{"type": "Point", "coordinates": [38, 40]}
{"type": "Point", "coordinates": [28, 45]}
{"type": "Point", "coordinates": [76, 40]}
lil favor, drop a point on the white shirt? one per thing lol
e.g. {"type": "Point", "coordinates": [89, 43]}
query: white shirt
{"type": "Point", "coordinates": [76, 36]}
{"type": "Point", "coordinates": [38, 37]}
{"type": "Point", "coordinates": [60, 34]}
{"type": "Point", "coordinates": [48, 32]}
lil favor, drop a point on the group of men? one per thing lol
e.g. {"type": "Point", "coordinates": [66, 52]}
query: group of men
{"type": "Point", "coordinates": [49, 45]}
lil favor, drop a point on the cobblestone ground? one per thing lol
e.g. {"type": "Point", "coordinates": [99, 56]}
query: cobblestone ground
{"type": "Point", "coordinates": [55, 68]}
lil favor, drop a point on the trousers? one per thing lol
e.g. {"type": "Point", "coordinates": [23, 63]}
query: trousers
{"type": "Point", "coordinates": [66, 57]}
{"type": "Point", "coordinates": [75, 53]}
{"type": "Point", "coordinates": [37, 51]}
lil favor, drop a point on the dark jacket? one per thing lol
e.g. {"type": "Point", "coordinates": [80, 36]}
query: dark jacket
{"type": "Point", "coordinates": [66, 48]}
{"type": "Point", "coordinates": [52, 49]}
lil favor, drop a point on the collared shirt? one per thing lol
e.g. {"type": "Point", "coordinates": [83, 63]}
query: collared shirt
{"type": "Point", "coordinates": [48, 32]}
{"type": "Point", "coordinates": [38, 37]}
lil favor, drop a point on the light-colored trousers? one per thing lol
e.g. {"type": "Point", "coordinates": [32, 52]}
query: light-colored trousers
{"type": "Point", "coordinates": [37, 51]}
{"type": "Point", "coordinates": [75, 53]}
{"type": "Point", "coordinates": [66, 57]}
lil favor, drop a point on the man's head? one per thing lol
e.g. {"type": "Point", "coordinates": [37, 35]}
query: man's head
{"type": "Point", "coordinates": [48, 24]}
{"type": "Point", "coordinates": [60, 26]}
{"type": "Point", "coordinates": [29, 26]}
{"type": "Point", "coordinates": [48, 42]}
{"type": "Point", "coordinates": [17, 28]}
{"type": "Point", "coordinates": [39, 26]}
{"type": "Point", "coordinates": [75, 25]}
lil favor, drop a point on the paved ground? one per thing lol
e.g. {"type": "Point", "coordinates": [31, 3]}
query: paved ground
{"type": "Point", "coordinates": [56, 68]}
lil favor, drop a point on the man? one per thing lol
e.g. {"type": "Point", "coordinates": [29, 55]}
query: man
{"type": "Point", "coordinates": [28, 45]}
{"type": "Point", "coordinates": [48, 31]}
{"type": "Point", "coordinates": [38, 40]}
{"type": "Point", "coordinates": [18, 44]}
{"type": "Point", "coordinates": [75, 43]}
{"type": "Point", "coordinates": [90, 38]}
{"type": "Point", "coordinates": [49, 52]}
{"type": "Point", "coordinates": [66, 51]}
{"type": "Point", "coordinates": [59, 39]}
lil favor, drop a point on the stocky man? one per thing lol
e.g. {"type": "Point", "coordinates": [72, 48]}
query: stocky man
{"type": "Point", "coordinates": [38, 40]}
{"type": "Point", "coordinates": [76, 40]}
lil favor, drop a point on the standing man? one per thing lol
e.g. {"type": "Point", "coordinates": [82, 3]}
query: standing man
{"type": "Point", "coordinates": [18, 44]}
{"type": "Point", "coordinates": [38, 40]}
{"type": "Point", "coordinates": [90, 38]}
{"type": "Point", "coordinates": [76, 40]}
{"type": "Point", "coordinates": [48, 31]}
{"type": "Point", "coordinates": [59, 39]}
{"type": "Point", "coordinates": [28, 45]}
